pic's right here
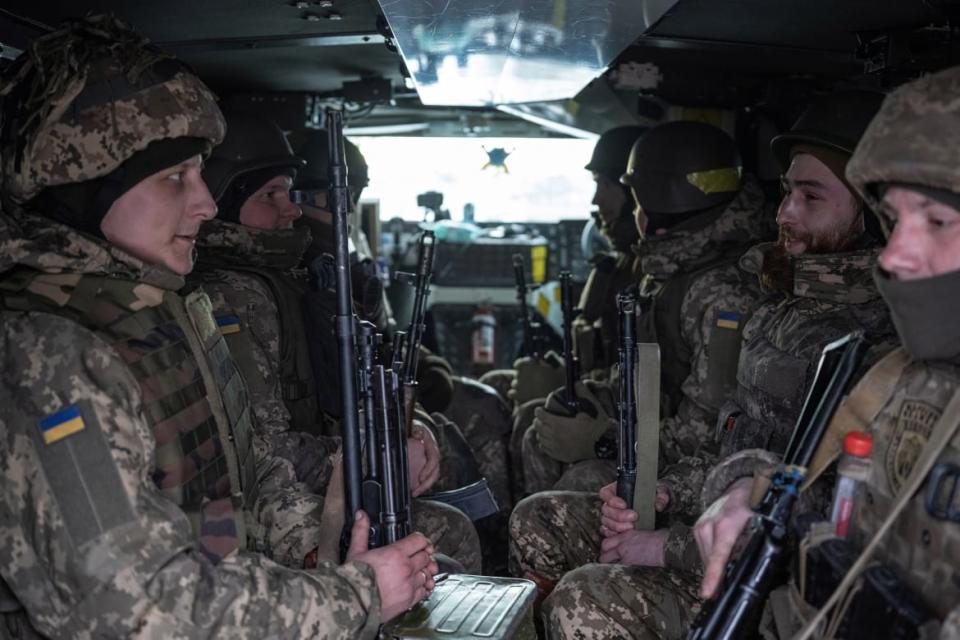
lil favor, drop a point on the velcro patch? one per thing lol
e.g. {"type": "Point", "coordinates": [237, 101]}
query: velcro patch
{"type": "Point", "coordinates": [61, 424]}
{"type": "Point", "coordinates": [728, 320]}
{"type": "Point", "coordinates": [228, 324]}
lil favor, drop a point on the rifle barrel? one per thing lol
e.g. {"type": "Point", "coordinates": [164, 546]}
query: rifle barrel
{"type": "Point", "coordinates": [344, 321]}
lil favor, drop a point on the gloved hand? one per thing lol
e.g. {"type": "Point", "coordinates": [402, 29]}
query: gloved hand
{"type": "Point", "coordinates": [536, 378]}
{"type": "Point", "coordinates": [571, 439]}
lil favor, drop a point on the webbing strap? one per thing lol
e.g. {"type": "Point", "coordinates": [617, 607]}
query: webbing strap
{"type": "Point", "coordinates": [647, 387]}
{"type": "Point", "coordinates": [943, 431]}
{"type": "Point", "coordinates": [860, 409]}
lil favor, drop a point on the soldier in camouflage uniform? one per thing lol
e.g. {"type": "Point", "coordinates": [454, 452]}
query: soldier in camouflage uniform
{"type": "Point", "coordinates": [556, 531]}
{"type": "Point", "coordinates": [694, 296]}
{"type": "Point", "coordinates": [906, 168]}
{"type": "Point", "coordinates": [818, 288]}
{"type": "Point", "coordinates": [247, 260]}
{"type": "Point", "coordinates": [137, 499]}
{"type": "Point", "coordinates": [594, 330]}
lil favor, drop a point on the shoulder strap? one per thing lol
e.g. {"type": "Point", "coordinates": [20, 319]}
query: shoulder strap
{"type": "Point", "coordinates": [943, 431]}
{"type": "Point", "coordinates": [860, 408]}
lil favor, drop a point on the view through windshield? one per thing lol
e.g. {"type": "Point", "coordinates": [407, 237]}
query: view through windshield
{"type": "Point", "coordinates": [505, 179]}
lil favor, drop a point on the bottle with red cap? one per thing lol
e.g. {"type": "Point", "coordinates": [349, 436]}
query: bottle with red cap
{"type": "Point", "coordinates": [854, 468]}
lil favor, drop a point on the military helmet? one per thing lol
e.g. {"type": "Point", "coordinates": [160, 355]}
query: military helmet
{"type": "Point", "coordinates": [253, 144]}
{"type": "Point", "coordinates": [316, 152]}
{"type": "Point", "coordinates": [835, 121]}
{"type": "Point", "coordinates": [681, 167]}
{"type": "Point", "coordinates": [82, 100]}
{"type": "Point", "coordinates": [612, 150]}
{"type": "Point", "coordinates": [914, 139]}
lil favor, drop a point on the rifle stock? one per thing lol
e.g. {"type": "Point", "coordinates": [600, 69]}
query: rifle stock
{"type": "Point", "coordinates": [750, 578]}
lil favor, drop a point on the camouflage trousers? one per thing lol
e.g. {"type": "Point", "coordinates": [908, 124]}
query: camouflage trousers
{"type": "Point", "coordinates": [543, 473]}
{"type": "Point", "coordinates": [451, 532]}
{"type": "Point", "coordinates": [484, 419]}
{"type": "Point", "coordinates": [603, 601]}
{"type": "Point", "coordinates": [554, 532]}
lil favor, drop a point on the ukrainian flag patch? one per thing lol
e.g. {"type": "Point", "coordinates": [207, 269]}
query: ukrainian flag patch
{"type": "Point", "coordinates": [228, 324]}
{"type": "Point", "coordinates": [728, 320]}
{"type": "Point", "coordinates": [58, 426]}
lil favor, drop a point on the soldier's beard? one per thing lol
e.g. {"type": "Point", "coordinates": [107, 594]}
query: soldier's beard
{"type": "Point", "coordinates": [776, 274]}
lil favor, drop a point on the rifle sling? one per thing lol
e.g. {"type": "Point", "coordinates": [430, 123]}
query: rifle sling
{"type": "Point", "coordinates": [647, 388]}
{"type": "Point", "coordinates": [943, 431]}
{"type": "Point", "coordinates": [860, 408]}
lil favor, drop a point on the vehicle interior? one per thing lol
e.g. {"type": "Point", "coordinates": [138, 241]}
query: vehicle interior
{"type": "Point", "coordinates": [477, 117]}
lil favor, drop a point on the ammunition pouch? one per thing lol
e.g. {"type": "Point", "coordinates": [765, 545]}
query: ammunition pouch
{"type": "Point", "coordinates": [880, 605]}
{"type": "Point", "coordinates": [475, 500]}
{"type": "Point", "coordinates": [464, 607]}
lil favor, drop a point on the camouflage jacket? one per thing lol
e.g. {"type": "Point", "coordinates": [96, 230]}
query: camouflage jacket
{"type": "Point", "coordinates": [832, 296]}
{"type": "Point", "coordinates": [668, 266]}
{"type": "Point", "coordinates": [698, 269]}
{"type": "Point", "coordinates": [92, 546]}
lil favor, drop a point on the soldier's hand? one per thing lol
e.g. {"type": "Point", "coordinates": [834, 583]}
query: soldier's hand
{"type": "Point", "coordinates": [616, 516]}
{"type": "Point", "coordinates": [640, 548]}
{"type": "Point", "coordinates": [430, 472]}
{"type": "Point", "coordinates": [536, 378]}
{"type": "Point", "coordinates": [404, 569]}
{"type": "Point", "coordinates": [717, 531]}
{"type": "Point", "coordinates": [565, 438]}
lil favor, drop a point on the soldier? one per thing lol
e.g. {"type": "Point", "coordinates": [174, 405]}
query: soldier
{"type": "Point", "coordinates": [697, 264]}
{"type": "Point", "coordinates": [247, 264]}
{"type": "Point", "coordinates": [905, 167]}
{"type": "Point", "coordinates": [137, 501]}
{"type": "Point", "coordinates": [694, 295]}
{"type": "Point", "coordinates": [819, 288]}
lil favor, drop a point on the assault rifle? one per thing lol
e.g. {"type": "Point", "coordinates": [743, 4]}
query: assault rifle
{"type": "Point", "coordinates": [570, 359]}
{"type": "Point", "coordinates": [344, 321]}
{"type": "Point", "coordinates": [627, 406]}
{"type": "Point", "coordinates": [532, 340]}
{"type": "Point", "coordinates": [409, 343]}
{"type": "Point", "coordinates": [749, 579]}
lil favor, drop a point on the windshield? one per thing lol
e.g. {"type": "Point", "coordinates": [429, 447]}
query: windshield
{"type": "Point", "coordinates": [539, 180]}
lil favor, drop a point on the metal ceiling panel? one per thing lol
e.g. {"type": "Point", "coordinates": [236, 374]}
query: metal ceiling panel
{"type": "Point", "coordinates": [491, 52]}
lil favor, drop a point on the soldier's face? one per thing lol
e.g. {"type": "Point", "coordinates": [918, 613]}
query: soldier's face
{"type": "Point", "coordinates": [817, 214]}
{"type": "Point", "coordinates": [610, 198]}
{"type": "Point", "coordinates": [270, 207]}
{"type": "Point", "coordinates": [926, 236]}
{"type": "Point", "coordinates": [158, 219]}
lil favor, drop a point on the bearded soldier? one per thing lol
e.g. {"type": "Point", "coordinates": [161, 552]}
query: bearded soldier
{"type": "Point", "coordinates": [137, 498]}
{"type": "Point", "coordinates": [248, 256]}
{"type": "Point", "coordinates": [905, 167]}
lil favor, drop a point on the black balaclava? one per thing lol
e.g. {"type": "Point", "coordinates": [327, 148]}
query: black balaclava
{"type": "Point", "coordinates": [83, 205]}
{"type": "Point", "coordinates": [244, 186]}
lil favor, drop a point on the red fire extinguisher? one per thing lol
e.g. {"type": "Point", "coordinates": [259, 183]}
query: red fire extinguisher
{"type": "Point", "coordinates": [484, 334]}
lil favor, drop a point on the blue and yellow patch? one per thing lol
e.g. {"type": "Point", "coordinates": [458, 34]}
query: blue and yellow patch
{"type": "Point", "coordinates": [58, 426]}
{"type": "Point", "coordinates": [228, 324]}
{"type": "Point", "coordinates": [728, 320]}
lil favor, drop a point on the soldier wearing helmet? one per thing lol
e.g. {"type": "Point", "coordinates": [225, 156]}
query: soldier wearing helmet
{"type": "Point", "coordinates": [825, 292]}
{"type": "Point", "coordinates": [248, 259]}
{"type": "Point", "coordinates": [698, 215]}
{"type": "Point", "coordinates": [137, 498]}
{"type": "Point", "coordinates": [689, 254]}
{"type": "Point", "coordinates": [472, 421]}
{"type": "Point", "coordinates": [905, 169]}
